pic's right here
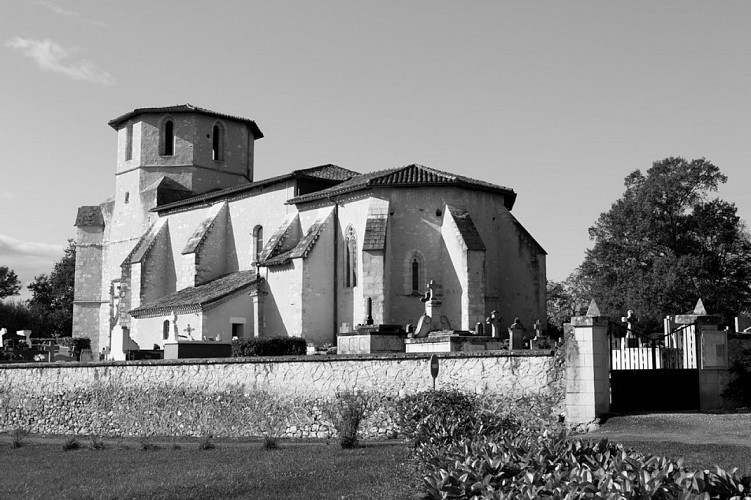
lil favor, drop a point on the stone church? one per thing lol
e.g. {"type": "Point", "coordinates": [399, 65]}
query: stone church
{"type": "Point", "coordinates": [191, 245]}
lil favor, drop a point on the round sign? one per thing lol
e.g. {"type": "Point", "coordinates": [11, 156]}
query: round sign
{"type": "Point", "coordinates": [434, 365]}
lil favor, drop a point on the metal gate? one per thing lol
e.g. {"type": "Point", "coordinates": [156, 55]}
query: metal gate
{"type": "Point", "coordinates": [653, 372]}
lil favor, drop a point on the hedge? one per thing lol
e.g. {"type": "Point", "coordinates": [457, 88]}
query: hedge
{"type": "Point", "coordinates": [268, 346]}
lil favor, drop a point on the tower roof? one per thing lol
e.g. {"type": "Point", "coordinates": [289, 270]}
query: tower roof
{"type": "Point", "coordinates": [186, 108]}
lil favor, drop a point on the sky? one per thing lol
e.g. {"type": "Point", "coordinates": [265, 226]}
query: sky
{"type": "Point", "coordinates": [556, 100]}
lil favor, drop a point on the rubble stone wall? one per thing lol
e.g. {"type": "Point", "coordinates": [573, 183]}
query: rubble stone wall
{"type": "Point", "coordinates": [221, 397]}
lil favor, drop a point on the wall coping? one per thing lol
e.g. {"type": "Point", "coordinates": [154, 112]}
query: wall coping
{"type": "Point", "coordinates": [281, 359]}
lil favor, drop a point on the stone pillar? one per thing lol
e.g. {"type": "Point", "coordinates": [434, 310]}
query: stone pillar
{"type": "Point", "coordinates": [711, 355]}
{"type": "Point", "coordinates": [258, 295]}
{"type": "Point", "coordinates": [587, 368]}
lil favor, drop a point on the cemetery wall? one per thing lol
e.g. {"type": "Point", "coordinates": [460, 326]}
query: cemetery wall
{"type": "Point", "coordinates": [223, 396]}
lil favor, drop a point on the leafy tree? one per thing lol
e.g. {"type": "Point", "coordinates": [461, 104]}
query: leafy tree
{"type": "Point", "coordinates": [15, 315]}
{"type": "Point", "coordinates": [9, 284]}
{"type": "Point", "coordinates": [664, 244]}
{"type": "Point", "coordinates": [565, 299]}
{"type": "Point", "coordinates": [52, 296]}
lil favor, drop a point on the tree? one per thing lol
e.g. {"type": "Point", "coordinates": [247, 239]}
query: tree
{"type": "Point", "coordinates": [52, 296]}
{"type": "Point", "coordinates": [9, 284]}
{"type": "Point", "coordinates": [664, 244]}
{"type": "Point", "coordinates": [565, 299]}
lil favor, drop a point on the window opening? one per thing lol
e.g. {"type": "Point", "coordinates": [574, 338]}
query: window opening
{"type": "Point", "coordinates": [350, 254]}
{"type": "Point", "coordinates": [129, 141]}
{"type": "Point", "coordinates": [257, 243]}
{"type": "Point", "coordinates": [165, 329]}
{"type": "Point", "coordinates": [216, 143]}
{"type": "Point", "coordinates": [415, 274]}
{"type": "Point", "coordinates": [169, 138]}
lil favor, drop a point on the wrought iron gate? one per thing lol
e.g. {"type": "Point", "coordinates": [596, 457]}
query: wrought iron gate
{"type": "Point", "coordinates": [653, 372]}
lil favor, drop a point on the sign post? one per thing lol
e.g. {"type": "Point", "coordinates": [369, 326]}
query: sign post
{"type": "Point", "coordinates": [434, 368]}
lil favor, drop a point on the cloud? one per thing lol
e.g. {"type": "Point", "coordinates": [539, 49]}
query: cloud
{"type": "Point", "coordinates": [50, 56]}
{"type": "Point", "coordinates": [28, 259]}
{"type": "Point", "coordinates": [6, 195]}
{"type": "Point", "coordinates": [70, 13]}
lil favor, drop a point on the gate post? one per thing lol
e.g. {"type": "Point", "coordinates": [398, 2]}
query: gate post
{"type": "Point", "coordinates": [711, 346]}
{"type": "Point", "coordinates": [587, 368]}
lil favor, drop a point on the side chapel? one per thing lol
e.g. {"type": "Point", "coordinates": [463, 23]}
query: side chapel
{"type": "Point", "coordinates": [191, 246]}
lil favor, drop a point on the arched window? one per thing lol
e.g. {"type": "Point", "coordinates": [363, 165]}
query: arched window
{"type": "Point", "coordinates": [350, 258]}
{"type": "Point", "coordinates": [257, 243]}
{"type": "Point", "coordinates": [414, 272]}
{"type": "Point", "coordinates": [217, 142]}
{"type": "Point", "coordinates": [168, 138]}
{"type": "Point", "coordinates": [129, 141]}
{"type": "Point", "coordinates": [165, 329]}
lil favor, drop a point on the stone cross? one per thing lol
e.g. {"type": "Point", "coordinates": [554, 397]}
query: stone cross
{"type": "Point", "coordinates": [630, 320]}
{"type": "Point", "coordinates": [189, 331]}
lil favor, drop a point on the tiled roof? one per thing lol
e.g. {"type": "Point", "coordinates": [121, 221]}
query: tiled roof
{"type": "Point", "coordinates": [467, 228]}
{"type": "Point", "coordinates": [186, 108]}
{"type": "Point", "coordinates": [303, 247]}
{"type": "Point", "coordinates": [194, 299]}
{"type": "Point", "coordinates": [375, 233]}
{"type": "Point", "coordinates": [89, 216]}
{"type": "Point", "coordinates": [146, 242]}
{"type": "Point", "coordinates": [409, 176]}
{"type": "Point", "coordinates": [275, 244]}
{"type": "Point", "coordinates": [199, 235]}
{"type": "Point", "coordinates": [329, 172]}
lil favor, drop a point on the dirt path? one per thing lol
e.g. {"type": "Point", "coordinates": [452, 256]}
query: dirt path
{"type": "Point", "coordinates": [691, 428]}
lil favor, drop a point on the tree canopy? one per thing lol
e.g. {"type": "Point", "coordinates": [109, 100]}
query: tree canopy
{"type": "Point", "coordinates": [9, 284]}
{"type": "Point", "coordinates": [52, 296]}
{"type": "Point", "coordinates": [665, 243]}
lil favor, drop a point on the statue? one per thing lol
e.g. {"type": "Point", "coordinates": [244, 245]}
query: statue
{"type": "Point", "coordinates": [432, 310]}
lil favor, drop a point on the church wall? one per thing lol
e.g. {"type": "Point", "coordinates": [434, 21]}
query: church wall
{"type": "Point", "coordinates": [353, 211]}
{"type": "Point", "coordinates": [266, 209]}
{"type": "Point", "coordinates": [158, 269]}
{"type": "Point", "coordinates": [217, 319]}
{"type": "Point", "coordinates": [185, 133]}
{"type": "Point", "coordinates": [283, 304]}
{"type": "Point", "coordinates": [147, 332]}
{"type": "Point", "coordinates": [237, 145]}
{"type": "Point", "coordinates": [318, 288]}
{"type": "Point", "coordinates": [414, 225]}
{"type": "Point", "coordinates": [454, 279]}
{"type": "Point", "coordinates": [522, 276]}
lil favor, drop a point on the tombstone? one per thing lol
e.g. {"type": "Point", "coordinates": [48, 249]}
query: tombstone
{"type": "Point", "coordinates": [495, 320]}
{"type": "Point", "coordinates": [423, 327]}
{"type": "Point", "coordinates": [479, 328]}
{"type": "Point", "coordinates": [516, 333]}
{"type": "Point", "coordinates": [431, 300]}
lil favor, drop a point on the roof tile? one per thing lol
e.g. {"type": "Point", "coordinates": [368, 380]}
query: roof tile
{"type": "Point", "coordinates": [193, 299]}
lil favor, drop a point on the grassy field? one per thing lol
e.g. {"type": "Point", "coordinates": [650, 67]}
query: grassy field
{"type": "Point", "coordinates": [294, 471]}
{"type": "Point", "coordinates": [699, 456]}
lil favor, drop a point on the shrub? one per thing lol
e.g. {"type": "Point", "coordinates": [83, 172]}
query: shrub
{"type": "Point", "coordinates": [206, 442]}
{"type": "Point", "coordinates": [444, 416]}
{"type": "Point", "coordinates": [346, 412]}
{"type": "Point", "coordinates": [148, 445]}
{"type": "Point", "coordinates": [16, 439]}
{"type": "Point", "coordinates": [739, 388]}
{"type": "Point", "coordinates": [95, 442]}
{"type": "Point", "coordinates": [71, 444]}
{"type": "Point", "coordinates": [271, 415]}
{"type": "Point", "coordinates": [268, 346]}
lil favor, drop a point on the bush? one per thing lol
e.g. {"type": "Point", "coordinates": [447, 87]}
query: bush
{"type": "Point", "coordinates": [268, 346]}
{"type": "Point", "coordinates": [546, 465]}
{"type": "Point", "coordinates": [346, 412]}
{"type": "Point", "coordinates": [17, 437]}
{"type": "Point", "coordinates": [71, 444]}
{"type": "Point", "coordinates": [739, 388]}
{"type": "Point", "coordinates": [445, 416]}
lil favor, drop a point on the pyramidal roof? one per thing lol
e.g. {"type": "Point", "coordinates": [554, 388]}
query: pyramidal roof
{"type": "Point", "coordinates": [185, 108]}
{"type": "Point", "coordinates": [408, 176]}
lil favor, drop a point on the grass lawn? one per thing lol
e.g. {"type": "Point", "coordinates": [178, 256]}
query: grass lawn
{"type": "Point", "coordinates": [41, 469]}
